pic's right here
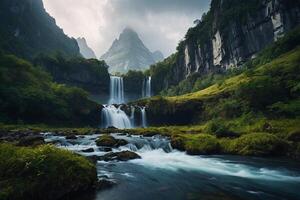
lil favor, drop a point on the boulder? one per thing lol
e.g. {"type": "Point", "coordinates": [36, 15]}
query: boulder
{"type": "Point", "coordinates": [119, 156]}
{"type": "Point", "coordinates": [105, 149]}
{"type": "Point", "coordinates": [71, 137]}
{"type": "Point", "coordinates": [89, 150]}
{"type": "Point", "coordinates": [109, 141]}
{"type": "Point", "coordinates": [31, 141]}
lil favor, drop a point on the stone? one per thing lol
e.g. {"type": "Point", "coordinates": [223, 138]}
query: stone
{"type": "Point", "coordinates": [89, 150]}
{"type": "Point", "coordinates": [119, 156]}
{"type": "Point", "coordinates": [31, 141]}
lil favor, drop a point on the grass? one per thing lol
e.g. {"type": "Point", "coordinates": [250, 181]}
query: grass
{"type": "Point", "coordinates": [44, 172]}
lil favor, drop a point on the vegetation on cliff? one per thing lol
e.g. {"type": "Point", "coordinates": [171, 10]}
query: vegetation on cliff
{"type": "Point", "coordinates": [28, 95]}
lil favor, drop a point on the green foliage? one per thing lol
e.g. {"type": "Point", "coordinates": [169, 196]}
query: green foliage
{"type": "Point", "coordinates": [259, 144]}
{"type": "Point", "coordinates": [44, 172]}
{"type": "Point", "coordinates": [161, 71]}
{"type": "Point", "coordinates": [28, 94]}
{"type": "Point", "coordinates": [133, 81]}
{"type": "Point", "coordinates": [201, 144]}
{"type": "Point", "coordinates": [219, 129]}
{"type": "Point", "coordinates": [90, 74]}
{"type": "Point", "coordinates": [289, 109]}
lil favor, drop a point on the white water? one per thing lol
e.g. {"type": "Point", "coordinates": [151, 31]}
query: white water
{"type": "Point", "coordinates": [132, 116]}
{"type": "Point", "coordinates": [159, 159]}
{"type": "Point", "coordinates": [143, 117]}
{"type": "Point", "coordinates": [114, 117]}
{"type": "Point", "coordinates": [146, 92]}
{"type": "Point", "coordinates": [116, 90]}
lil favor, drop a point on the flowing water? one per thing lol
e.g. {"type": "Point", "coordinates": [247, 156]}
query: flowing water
{"type": "Point", "coordinates": [164, 173]}
{"type": "Point", "coordinates": [115, 117]}
{"type": "Point", "coordinates": [116, 90]}
{"type": "Point", "coordinates": [143, 117]}
{"type": "Point", "coordinates": [146, 92]}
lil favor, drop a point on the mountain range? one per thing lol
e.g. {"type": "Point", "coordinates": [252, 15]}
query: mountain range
{"type": "Point", "coordinates": [130, 53]}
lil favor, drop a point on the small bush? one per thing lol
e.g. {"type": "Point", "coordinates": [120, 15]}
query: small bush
{"type": "Point", "coordinates": [259, 144]}
{"type": "Point", "coordinates": [201, 144]}
{"type": "Point", "coordinates": [217, 128]}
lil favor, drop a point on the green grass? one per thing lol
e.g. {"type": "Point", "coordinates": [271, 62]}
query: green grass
{"type": "Point", "coordinates": [44, 172]}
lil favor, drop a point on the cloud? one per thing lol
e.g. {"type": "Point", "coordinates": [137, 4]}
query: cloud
{"type": "Point", "coordinates": [160, 23]}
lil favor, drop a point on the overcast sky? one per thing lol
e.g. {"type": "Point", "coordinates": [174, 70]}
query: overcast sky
{"type": "Point", "coordinates": [159, 23]}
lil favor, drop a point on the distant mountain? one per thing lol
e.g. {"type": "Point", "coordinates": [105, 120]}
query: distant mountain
{"type": "Point", "coordinates": [28, 30]}
{"type": "Point", "coordinates": [129, 53]}
{"type": "Point", "coordinates": [85, 50]}
{"type": "Point", "coordinates": [157, 56]}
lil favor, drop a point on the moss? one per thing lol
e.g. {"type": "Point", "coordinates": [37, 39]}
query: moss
{"type": "Point", "coordinates": [106, 140]}
{"type": "Point", "coordinates": [259, 144]}
{"type": "Point", "coordinates": [44, 172]}
{"type": "Point", "coordinates": [202, 144]}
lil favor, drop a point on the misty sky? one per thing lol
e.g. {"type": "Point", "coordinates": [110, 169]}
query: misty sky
{"type": "Point", "coordinates": [159, 23]}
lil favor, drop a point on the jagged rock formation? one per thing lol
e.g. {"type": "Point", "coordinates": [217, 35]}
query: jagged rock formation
{"type": "Point", "coordinates": [28, 30]}
{"type": "Point", "coordinates": [129, 53]}
{"type": "Point", "coordinates": [230, 34]}
{"type": "Point", "coordinates": [85, 50]}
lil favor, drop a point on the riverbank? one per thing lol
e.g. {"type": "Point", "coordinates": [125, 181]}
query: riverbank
{"type": "Point", "coordinates": [242, 136]}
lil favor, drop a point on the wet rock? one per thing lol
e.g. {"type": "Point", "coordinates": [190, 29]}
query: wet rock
{"type": "Point", "coordinates": [119, 156]}
{"type": "Point", "coordinates": [109, 141]}
{"type": "Point", "coordinates": [105, 184]}
{"type": "Point", "coordinates": [31, 140]}
{"type": "Point", "coordinates": [71, 137]}
{"type": "Point", "coordinates": [89, 150]}
{"type": "Point", "coordinates": [121, 142]}
{"type": "Point", "coordinates": [105, 149]}
{"type": "Point", "coordinates": [106, 140]}
{"type": "Point", "coordinates": [112, 128]}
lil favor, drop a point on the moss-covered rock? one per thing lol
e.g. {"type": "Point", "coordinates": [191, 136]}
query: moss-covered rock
{"type": "Point", "coordinates": [110, 141]}
{"type": "Point", "coordinates": [202, 144]}
{"type": "Point", "coordinates": [106, 140]}
{"type": "Point", "coordinates": [259, 144]}
{"type": "Point", "coordinates": [44, 172]}
{"type": "Point", "coordinates": [294, 136]}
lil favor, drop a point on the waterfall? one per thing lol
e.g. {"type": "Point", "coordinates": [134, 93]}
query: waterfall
{"type": "Point", "coordinates": [116, 90]}
{"type": "Point", "coordinates": [114, 117]}
{"type": "Point", "coordinates": [132, 116]}
{"type": "Point", "coordinates": [143, 117]}
{"type": "Point", "coordinates": [146, 92]}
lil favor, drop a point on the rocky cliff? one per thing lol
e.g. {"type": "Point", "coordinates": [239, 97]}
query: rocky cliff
{"type": "Point", "coordinates": [231, 33]}
{"type": "Point", "coordinates": [85, 50]}
{"type": "Point", "coordinates": [27, 30]}
{"type": "Point", "coordinates": [129, 53]}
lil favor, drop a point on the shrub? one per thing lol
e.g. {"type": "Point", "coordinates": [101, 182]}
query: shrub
{"type": "Point", "coordinates": [217, 128]}
{"type": "Point", "coordinates": [201, 144]}
{"type": "Point", "coordinates": [44, 172]}
{"type": "Point", "coordinates": [259, 144]}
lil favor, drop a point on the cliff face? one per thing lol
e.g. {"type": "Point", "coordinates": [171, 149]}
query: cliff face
{"type": "Point", "coordinates": [231, 33]}
{"type": "Point", "coordinates": [27, 30]}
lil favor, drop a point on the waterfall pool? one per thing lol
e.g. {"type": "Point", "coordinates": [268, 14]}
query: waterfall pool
{"type": "Point", "coordinates": [164, 173]}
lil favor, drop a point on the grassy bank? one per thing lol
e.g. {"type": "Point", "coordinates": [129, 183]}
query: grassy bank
{"type": "Point", "coordinates": [44, 172]}
{"type": "Point", "coordinates": [256, 137]}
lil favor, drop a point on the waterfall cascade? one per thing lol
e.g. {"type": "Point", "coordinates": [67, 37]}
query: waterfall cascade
{"type": "Point", "coordinates": [116, 90]}
{"type": "Point", "coordinates": [143, 117]}
{"type": "Point", "coordinates": [146, 92]}
{"type": "Point", "coordinates": [115, 117]}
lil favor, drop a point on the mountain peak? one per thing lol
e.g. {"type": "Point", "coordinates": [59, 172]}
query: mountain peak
{"type": "Point", "coordinates": [85, 50]}
{"type": "Point", "coordinates": [129, 53]}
